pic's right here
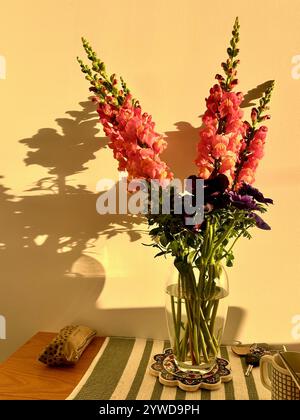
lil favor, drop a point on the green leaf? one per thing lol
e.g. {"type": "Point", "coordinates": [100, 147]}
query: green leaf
{"type": "Point", "coordinates": [198, 261]}
{"type": "Point", "coordinates": [191, 257]}
{"type": "Point", "coordinates": [174, 247]}
{"type": "Point", "coordinates": [163, 240]}
{"type": "Point", "coordinates": [155, 231]}
{"type": "Point", "coordinates": [159, 254]}
{"type": "Point", "coordinates": [181, 266]}
{"type": "Point", "coordinates": [153, 245]}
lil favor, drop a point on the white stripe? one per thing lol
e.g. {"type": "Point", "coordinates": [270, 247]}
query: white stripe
{"type": "Point", "coordinates": [89, 371]}
{"type": "Point", "coordinates": [193, 395]}
{"type": "Point", "coordinates": [263, 393]}
{"type": "Point", "coordinates": [149, 381]}
{"type": "Point", "coordinates": [168, 393]}
{"type": "Point", "coordinates": [239, 380]}
{"type": "Point", "coordinates": [218, 394]}
{"type": "Point", "coordinates": [130, 370]}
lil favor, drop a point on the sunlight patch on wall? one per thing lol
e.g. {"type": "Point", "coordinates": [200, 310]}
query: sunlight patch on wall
{"type": "Point", "coordinates": [2, 67]}
{"type": "Point", "coordinates": [2, 328]}
{"type": "Point", "coordinates": [40, 239]}
{"type": "Point", "coordinates": [296, 67]}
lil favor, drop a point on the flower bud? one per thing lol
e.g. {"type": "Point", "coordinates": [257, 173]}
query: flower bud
{"type": "Point", "coordinates": [254, 115]}
{"type": "Point", "coordinates": [234, 82]}
{"type": "Point", "coordinates": [95, 66]}
{"type": "Point", "coordinates": [219, 77]}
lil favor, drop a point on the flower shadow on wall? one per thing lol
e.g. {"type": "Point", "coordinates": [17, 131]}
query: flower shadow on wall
{"type": "Point", "coordinates": [73, 209]}
{"type": "Point", "coordinates": [255, 94]}
{"type": "Point", "coordinates": [181, 150]}
{"type": "Point", "coordinates": [47, 280]}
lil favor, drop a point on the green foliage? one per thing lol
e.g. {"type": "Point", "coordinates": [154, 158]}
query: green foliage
{"type": "Point", "coordinates": [214, 242]}
{"type": "Point", "coordinates": [102, 84]}
{"type": "Point", "coordinates": [250, 134]}
{"type": "Point", "coordinates": [263, 103]}
{"type": "Point", "coordinates": [232, 62]}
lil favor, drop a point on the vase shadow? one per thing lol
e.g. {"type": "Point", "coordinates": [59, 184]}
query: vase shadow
{"type": "Point", "coordinates": [127, 322]}
{"type": "Point", "coordinates": [233, 325]}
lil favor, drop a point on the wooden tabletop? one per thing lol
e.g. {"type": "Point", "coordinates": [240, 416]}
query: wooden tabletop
{"type": "Point", "coordinates": [23, 377]}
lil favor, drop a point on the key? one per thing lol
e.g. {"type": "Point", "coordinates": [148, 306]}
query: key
{"type": "Point", "coordinates": [260, 349]}
{"type": "Point", "coordinates": [267, 348]}
{"type": "Point", "coordinates": [249, 370]}
{"type": "Point", "coordinates": [254, 352]}
{"type": "Point", "coordinates": [252, 360]}
{"type": "Point", "coordinates": [254, 356]}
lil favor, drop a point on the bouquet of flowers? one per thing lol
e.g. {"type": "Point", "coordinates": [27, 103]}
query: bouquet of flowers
{"type": "Point", "coordinates": [229, 151]}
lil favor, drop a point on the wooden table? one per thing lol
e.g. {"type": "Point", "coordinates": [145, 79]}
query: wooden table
{"type": "Point", "coordinates": [23, 377]}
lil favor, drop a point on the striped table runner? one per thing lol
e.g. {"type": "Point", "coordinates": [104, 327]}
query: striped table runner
{"type": "Point", "coordinates": [120, 372]}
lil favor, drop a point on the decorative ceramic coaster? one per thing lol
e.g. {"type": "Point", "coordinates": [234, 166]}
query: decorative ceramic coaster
{"type": "Point", "coordinates": [169, 374]}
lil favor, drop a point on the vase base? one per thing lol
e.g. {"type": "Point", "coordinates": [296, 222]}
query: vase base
{"type": "Point", "coordinates": [198, 370]}
{"type": "Point", "coordinates": [169, 373]}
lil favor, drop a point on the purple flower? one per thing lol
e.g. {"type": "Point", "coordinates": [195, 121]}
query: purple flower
{"type": "Point", "coordinates": [247, 189]}
{"type": "Point", "coordinates": [214, 188]}
{"type": "Point", "coordinates": [214, 191]}
{"type": "Point", "coordinates": [260, 223]}
{"type": "Point", "coordinates": [214, 195]}
{"type": "Point", "coordinates": [242, 202]}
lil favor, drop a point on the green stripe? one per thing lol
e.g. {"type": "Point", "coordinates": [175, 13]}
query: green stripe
{"type": "Point", "coordinates": [180, 394]}
{"type": "Point", "coordinates": [108, 371]}
{"type": "Point", "coordinates": [158, 387]}
{"type": "Point", "coordinates": [228, 386]}
{"type": "Point", "coordinates": [157, 390]}
{"type": "Point", "coordinates": [141, 371]}
{"type": "Point", "coordinates": [205, 394]}
{"type": "Point", "coordinates": [106, 374]}
{"type": "Point", "coordinates": [252, 392]}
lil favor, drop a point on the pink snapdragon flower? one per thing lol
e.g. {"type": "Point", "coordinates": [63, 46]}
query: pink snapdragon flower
{"type": "Point", "coordinates": [255, 152]}
{"type": "Point", "coordinates": [221, 136]}
{"type": "Point", "coordinates": [135, 143]}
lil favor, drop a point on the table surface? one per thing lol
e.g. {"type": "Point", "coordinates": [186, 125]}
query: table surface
{"type": "Point", "coordinates": [23, 377]}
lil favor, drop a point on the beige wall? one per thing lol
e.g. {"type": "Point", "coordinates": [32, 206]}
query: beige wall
{"type": "Point", "coordinates": [168, 51]}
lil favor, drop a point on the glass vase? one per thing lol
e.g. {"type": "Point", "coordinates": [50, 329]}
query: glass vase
{"type": "Point", "coordinates": [196, 311]}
